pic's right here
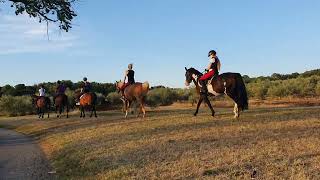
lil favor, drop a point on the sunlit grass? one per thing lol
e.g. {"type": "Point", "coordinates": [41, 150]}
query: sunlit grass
{"type": "Point", "coordinates": [265, 143]}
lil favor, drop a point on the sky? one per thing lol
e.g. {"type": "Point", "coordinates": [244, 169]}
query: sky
{"type": "Point", "coordinates": [255, 38]}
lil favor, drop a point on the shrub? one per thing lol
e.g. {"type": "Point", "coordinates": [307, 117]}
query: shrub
{"type": "Point", "coordinates": [161, 97]}
{"type": "Point", "coordinates": [114, 98]}
{"type": "Point", "coordinates": [16, 106]}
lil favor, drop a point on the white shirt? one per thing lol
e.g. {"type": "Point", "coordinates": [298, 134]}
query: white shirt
{"type": "Point", "coordinates": [42, 92]}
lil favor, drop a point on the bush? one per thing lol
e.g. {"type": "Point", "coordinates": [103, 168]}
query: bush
{"type": "Point", "coordinates": [114, 98]}
{"type": "Point", "coordinates": [161, 97]}
{"type": "Point", "coordinates": [16, 106]}
{"type": "Point", "coordinates": [100, 99]}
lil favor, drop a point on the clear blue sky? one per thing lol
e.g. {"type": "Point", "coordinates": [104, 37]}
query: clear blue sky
{"type": "Point", "coordinates": [161, 38]}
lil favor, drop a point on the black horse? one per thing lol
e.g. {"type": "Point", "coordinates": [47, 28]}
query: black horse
{"type": "Point", "coordinates": [230, 84]}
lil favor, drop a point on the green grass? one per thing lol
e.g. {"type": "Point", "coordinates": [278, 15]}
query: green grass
{"type": "Point", "coordinates": [172, 144]}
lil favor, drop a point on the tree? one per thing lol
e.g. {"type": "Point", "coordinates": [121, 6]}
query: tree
{"type": "Point", "coordinates": [57, 11]}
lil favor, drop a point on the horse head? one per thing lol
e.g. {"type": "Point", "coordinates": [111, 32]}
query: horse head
{"type": "Point", "coordinates": [118, 85]}
{"type": "Point", "coordinates": [191, 74]}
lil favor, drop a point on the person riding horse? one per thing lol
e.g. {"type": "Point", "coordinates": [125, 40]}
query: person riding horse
{"type": "Point", "coordinates": [42, 91]}
{"type": "Point", "coordinates": [60, 90]}
{"type": "Point", "coordinates": [212, 70]}
{"type": "Point", "coordinates": [129, 74]}
{"type": "Point", "coordinates": [85, 88]}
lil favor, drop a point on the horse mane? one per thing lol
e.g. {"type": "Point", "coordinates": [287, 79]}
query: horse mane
{"type": "Point", "coordinates": [194, 71]}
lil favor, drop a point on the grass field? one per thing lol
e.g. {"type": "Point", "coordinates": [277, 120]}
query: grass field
{"type": "Point", "coordinates": [265, 143]}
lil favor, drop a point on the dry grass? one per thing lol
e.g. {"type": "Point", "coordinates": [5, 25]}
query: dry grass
{"type": "Point", "coordinates": [267, 143]}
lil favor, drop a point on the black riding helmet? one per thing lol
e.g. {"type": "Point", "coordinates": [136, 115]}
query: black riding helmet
{"type": "Point", "coordinates": [212, 52]}
{"type": "Point", "coordinates": [58, 82]}
{"type": "Point", "coordinates": [85, 79]}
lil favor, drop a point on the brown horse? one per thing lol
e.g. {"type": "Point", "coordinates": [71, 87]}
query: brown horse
{"type": "Point", "coordinates": [42, 104]}
{"type": "Point", "coordinates": [230, 84]}
{"type": "Point", "coordinates": [61, 101]}
{"type": "Point", "coordinates": [86, 101]}
{"type": "Point", "coordinates": [134, 92]}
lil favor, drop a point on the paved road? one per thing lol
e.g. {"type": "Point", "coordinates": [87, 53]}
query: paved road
{"type": "Point", "coordinates": [21, 158]}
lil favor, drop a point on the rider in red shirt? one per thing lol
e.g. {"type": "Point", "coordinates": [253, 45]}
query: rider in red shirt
{"type": "Point", "coordinates": [212, 70]}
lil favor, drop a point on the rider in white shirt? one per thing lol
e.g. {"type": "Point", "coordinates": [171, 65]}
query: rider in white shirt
{"type": "Point", "coordinates": [42, 91]}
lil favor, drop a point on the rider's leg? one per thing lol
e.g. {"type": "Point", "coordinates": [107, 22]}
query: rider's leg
{"type": "Point", "coordinates": [203, 84]}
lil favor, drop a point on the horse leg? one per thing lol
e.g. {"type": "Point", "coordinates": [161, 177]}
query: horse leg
{"type": "Point", "coordinates": [127, 105]}
{"type": "Point", "coordinates": [67, 111]}
{"type": "Point", "coordinates": [236, 107]}
{"type": "Point", "coordinates": [56, 110]}
{"type": "Point", "coordinates": [209, 104]}
{"type": "Point", "coordinates": [60, 111]}
{"type": "Point", "coordinates": [92, 109]}
{"type": "Point", "coordinates": [198, 105]}
{"type": "Point", "coordinates": [80, 111]}
{"type": "Point", "coordinates": [95, 111]}
{"type": "Point", "coordinates": [83, 111]}
{"type": "Point", "coordinates": [236, 111]}
{"type": "Point", "coordinates": [143, 109]}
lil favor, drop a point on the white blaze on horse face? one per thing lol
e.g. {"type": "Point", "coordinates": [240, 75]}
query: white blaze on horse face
{"type": "Point", "coordinates": [195, 77]}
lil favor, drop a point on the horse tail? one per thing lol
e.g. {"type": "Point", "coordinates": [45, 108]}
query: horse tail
{"type": "Point", "coordinates": [145, 87]}
{"type": "Point", "coordinates": [241, 93]}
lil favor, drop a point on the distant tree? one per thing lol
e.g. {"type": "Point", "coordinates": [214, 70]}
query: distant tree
{"type": "Point", "coordinates": [57, 11]}
{"type": "Point", "coordinates": [8, 90]}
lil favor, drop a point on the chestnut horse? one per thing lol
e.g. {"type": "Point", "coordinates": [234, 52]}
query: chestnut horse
{"type": "Point", "coordinates": [230, 84]}
{"type": "Point", "coordinates": [42, 104]}
{"type": "Point", "coordinates": [134, 92]}
{"type": "Point", "coordinates": [61, 101]}
{"type": "Point", "coordinates": [86, 101]}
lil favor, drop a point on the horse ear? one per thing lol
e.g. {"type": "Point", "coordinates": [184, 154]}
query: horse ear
{"type": "Point", "coordinates": [186, 68]}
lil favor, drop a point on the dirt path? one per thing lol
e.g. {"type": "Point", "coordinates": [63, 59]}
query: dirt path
{"type": "Point", "coordinates": [21, 157]}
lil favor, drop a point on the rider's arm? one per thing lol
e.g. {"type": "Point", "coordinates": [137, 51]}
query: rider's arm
{"type": "Point", "coordinates": [125, 76]}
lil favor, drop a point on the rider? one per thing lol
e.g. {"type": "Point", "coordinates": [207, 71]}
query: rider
{"type": "Point", "coordinates": [42, 91]}
{"type": "Point", "coordinates": [61, 89]}
{"type": "Point", "coordinates": [212, 70]}
{"type": "Point", "coordinates": [86, 86]}
{"type": "Point", "coordinates": [130, 75]}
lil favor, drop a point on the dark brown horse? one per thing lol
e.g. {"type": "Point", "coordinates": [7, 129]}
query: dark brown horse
{"type": "Point", "coordinates": [43, 104]}
{"type": "Point", "coordinates": [86, 101]}
{"type": "Point", "coordinates": [230, 84]}
{"type": "Point", "coordinates": [134, 92]}
{"type": "Point", "coordinates": [61, 102]}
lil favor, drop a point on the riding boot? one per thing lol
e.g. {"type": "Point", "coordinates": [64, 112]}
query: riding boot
{"type": "Point", "coordinates": [203, 84]}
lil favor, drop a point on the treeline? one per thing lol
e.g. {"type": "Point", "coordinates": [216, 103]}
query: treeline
{"type": "Point", "coordinates": [16, 100]}
{"type": "Point", "coordinates": [22, 89]}
{"type": "Point", "coordinates": [277, 76]}
{"type": "Point", "coordinates": [306, 84]}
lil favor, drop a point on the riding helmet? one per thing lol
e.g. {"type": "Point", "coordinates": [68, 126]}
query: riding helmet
{"type": "Point", "coordinates": [212, 52]}
{"type": "Point", "coordinates": [85, 79]}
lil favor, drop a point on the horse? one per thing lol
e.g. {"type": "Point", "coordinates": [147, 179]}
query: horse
{"type": "Point", "coordinates": [230, 84]}
{"type": "Point", "coordinates": [134, 92]}
{"type": "Point", "coordinates": [61, 101]}
{"type": "Point", "coordinates": [42, 104]}
{"type": "Point", "coordinates": [86, 101]}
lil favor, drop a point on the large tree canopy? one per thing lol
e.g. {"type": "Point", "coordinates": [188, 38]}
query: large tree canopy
{"type": "Point", "coordinates": [58, 11]}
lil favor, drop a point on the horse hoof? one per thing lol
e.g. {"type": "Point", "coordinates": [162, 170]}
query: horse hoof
{"type": "Point", "coordinates": [212, 115]}
{"type": "Point", "coordinates": [195, 114]}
